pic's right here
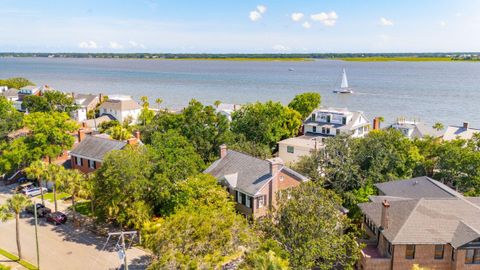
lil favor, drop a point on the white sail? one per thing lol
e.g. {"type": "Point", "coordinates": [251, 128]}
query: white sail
{"type": "Point", "coordinates": [344, 80]}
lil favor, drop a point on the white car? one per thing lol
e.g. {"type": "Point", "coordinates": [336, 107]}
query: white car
{"type": "Point", "coordinates": [34, 191]}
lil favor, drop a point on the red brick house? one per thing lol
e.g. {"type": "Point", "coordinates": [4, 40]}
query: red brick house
{"type": "Point", "coordinates": [253, 182]}
{"type": "Point", "coordinates": [421, 221]}
{"type": "Point", "coordinates": [88, 155]}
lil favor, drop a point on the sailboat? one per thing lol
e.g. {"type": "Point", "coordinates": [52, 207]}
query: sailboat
{"type": "Point", "coordinates": [344, 89]}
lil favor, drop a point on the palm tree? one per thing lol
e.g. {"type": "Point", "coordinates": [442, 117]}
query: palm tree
{"type": "Point", "coordinates": [56, 174]}
{"type": "Point", "coordinates": [158, 101]}
{"type": "Point", "coordinates": [438, 126]}
{"type": "Point", "coordinates": [38, 170]}
{"type": "Point", "coordinates": [72, 183]}
{"type": "Point", "coordinates": [15, 205]}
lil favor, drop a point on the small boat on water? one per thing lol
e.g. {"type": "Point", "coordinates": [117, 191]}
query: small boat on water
{"type": "Point", "coordinates": [344, 89]}
{"type": "Point", "coordinates": [291, 69]}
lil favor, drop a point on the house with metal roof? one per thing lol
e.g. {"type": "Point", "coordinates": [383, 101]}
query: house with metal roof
{"type": "Point", "coordinates": [253, 182]}
{"type": "Point", "coordinates": [415, 129]}
{"type": "Point", "coordinates": [321, 124]}
{"type": "Point", "coordinates": [420, 221]}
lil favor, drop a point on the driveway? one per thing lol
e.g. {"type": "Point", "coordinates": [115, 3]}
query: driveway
{"type": "Point", "coordinates": [64, 247]}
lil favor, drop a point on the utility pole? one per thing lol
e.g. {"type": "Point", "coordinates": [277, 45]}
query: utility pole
{"type": "Point", "coordinates": [124, 248]}
{"type": "Point", "coordinates": [36, 234]}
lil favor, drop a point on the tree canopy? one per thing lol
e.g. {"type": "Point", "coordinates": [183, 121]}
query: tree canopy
{"type": "Point", "coordinates": [50, 101]}
{"type": "Point", "coordinates": [305, 103]}
{"type": "Point", "coordinates": [17, 82]}
{"type": "Point", "coordinates": [308, 224]}
{"type": "Point", "coordinates": [266, 123]}
{"type": "Point", "coordinates": [10, 118]}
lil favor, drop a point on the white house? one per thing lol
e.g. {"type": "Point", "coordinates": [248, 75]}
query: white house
{"type": "Point", "coordinates": [121, 108]}
{"type": "Point", "coordinates": [336, 121]}
{"type": "Point", "coordinates": [85, 102]}
{"type": "Point", "coordinates": [415, 129]}
{"type": "Point", "coordinates": [464, 132]}
{"type": "Point", "coordinates": [321, 124]}
{"type": "Point", "coordinates": [227, 109]}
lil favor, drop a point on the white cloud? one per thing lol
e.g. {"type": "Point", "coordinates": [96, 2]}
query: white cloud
{"type": "Point", "coordinates": [328, 19]}
{"type": "Point", "coordinates": [262, 9]}
{"type": "Point", "coordinates": [385, 22]}
{"type": "Point", "coordinates": [443, 23]}
{"type": "Point", "coordinates": [115, 45]}
{"type": "Point", "coordinates": [88, 45]}
{"type": "Point", "coordinates": [135, 44]}
{"type": "Point", "coordinates": [281, 48]}
{"type": "Point", "coordinates": [256, 14]}
{"type": "Point", "coordinates": [297, 16]}
{"type": "Point", "coordinates": [306, 25]}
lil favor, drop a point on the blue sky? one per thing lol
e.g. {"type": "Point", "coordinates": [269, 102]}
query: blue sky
{"type": "Point", "coordinates": [243, 26]}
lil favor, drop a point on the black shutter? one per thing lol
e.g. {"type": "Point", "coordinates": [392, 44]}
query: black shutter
{"type": "Point", "coordinates": [244, 198]}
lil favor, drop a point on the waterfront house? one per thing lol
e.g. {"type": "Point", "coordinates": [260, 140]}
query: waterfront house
{"type": "Point", "coordinates": [86, 103]}
{"type": "Point", "coordinates": [414, 129]}
{"type": "Point", "coordinates": [88, 154]}
{"type": "Point", "coordinates": [227, 109]}
{"type": "Point", "coordinates": [323, 123]}
{"type": "Point", "coordinates": [464, 132]}
{"type": "Point", "coordinates": [29, 90]}
{"type": "Point", "coordinates": [121, 108]}
{"type": "Point", "coordinates": [420, 221]}
{"type": "Point", "coordinates": [253, 182]}
{"type": "Point", "coordinates": [10, 94]}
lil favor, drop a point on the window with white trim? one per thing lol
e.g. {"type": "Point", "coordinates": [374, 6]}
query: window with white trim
{"type": "Point", "coordinates": [239, 197]}
{"type": "Point", "coordinates": [91, 164]}
{"type": "Point", "coordinates": [261, 201]}
{"type": "Point", "coordinates": [247, 204]}
{"type": "Point", "coordinates": [290, 149]}
{"type": "Point", "coordinates": [79, 161]}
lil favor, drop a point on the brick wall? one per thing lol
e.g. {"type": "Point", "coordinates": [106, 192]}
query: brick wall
{"type": "Point", "coordinates": [84, 167]}
{"type": "Point", "coordinates": [424, 257]}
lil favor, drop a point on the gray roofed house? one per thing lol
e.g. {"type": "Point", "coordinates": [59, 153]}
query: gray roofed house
{"type": "Point", "coordinates": [464, 132]}
{"type": "Point", "coordinates": [415, 129]}
{"type": "Point", "coordinates": [121, 108]}
{"type": "Point", "coordinates": [425, 217]}
{"type": "Point", "coordinates": [415, 188]}
{"type": "Point", "coordinates": [10, 94]}
{"type": "Point", "coordinates": [95, 148]}
{"type": "Point", "coordinates": [253, 181]}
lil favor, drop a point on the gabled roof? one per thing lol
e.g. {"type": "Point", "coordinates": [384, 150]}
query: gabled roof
{"type": "Point", "coordinates": [454, 132]}
{"type": "Point", "coordinates": [415, 188]}
{"type": "Point", "coordinates": [249, 173]}
{"type": "Point", "coordinates": [96, 148]}
{"type": "Point", "coordinates": [120, 105]}
{"type": "Point", "coordinates": [86, 99]}
{"type": "Point", "coordinates": [10, 93]}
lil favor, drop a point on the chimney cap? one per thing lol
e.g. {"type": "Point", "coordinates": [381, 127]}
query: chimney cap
{"type": "Point", "coordinates": [385, 203]}
{"type": "Point", "coordinates": [465, 124]}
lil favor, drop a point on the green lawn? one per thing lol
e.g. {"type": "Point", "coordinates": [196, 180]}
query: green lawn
{"type": "Point", "coordinates": [83, 208]}
{"type": "Point", "coordinates": [60, 196]}
{"type": "Point", "coordinates": [14, 257]}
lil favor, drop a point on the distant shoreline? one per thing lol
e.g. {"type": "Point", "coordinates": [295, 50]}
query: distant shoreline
{"type": "Point", "coordinates": [281, 57]}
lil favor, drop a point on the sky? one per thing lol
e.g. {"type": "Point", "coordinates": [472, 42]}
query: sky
{"type": "Point", "coordinates": [241, 26]}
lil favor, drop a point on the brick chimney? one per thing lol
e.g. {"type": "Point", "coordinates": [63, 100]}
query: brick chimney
{"type": "Point", "coordinates": [84, 124]}
{"type": "Point", "coordinates": [376, 123]}
{"type": "Point", "coordinates": [223, 150]}
{"type": "Point", "coordinates": [100, 97]}
{"type": "Point", "coordinates": [465, 125]}
{"type": "Point", "coordinates": [132, 141]}
{"type": "Point", "coordinates": [81, 135]}
{"type": "Point", "coordinates": [384, 218]}
{"type": "Point", "coordinates": [137, 135]}
{"type": "Point", "coordinates": [276, 165]}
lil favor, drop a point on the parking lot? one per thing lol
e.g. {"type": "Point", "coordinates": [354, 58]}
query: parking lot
{"type": "Point", "coordinates": [63, 246]}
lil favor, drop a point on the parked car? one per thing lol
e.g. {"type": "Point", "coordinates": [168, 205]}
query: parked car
{"type": "Point", "coordinates": [42, 210]}
{"type": "Point", "coordinates": [21, 188]}
{"type": "Point", "coordinates": [23, 180]}
{"type": "Point", "coordinates": [34, 191]}
{"type": "Point", "coordinates": [56, 218]}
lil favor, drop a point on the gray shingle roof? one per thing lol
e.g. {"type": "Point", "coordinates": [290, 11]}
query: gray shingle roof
{"type": "Point", "coordinates": [419, 187]}
{"type": "Point", "coordinates": [96, 148]}
{"type": "Point", "coordinates": [428, 221]}
{"type": "Point", "coordinates": [11, 92]}
{"type": "Point", "coordinates": [120, 105]}
{"type": "Point", "coordinates": [454, 132]}
{"type": "Point", "coordinates": [251, 173]}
